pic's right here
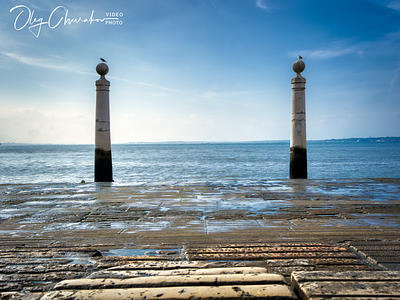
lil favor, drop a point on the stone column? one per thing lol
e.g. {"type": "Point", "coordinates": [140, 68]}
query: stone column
{"type": "Point", "coordinates": [102, 151]}
{"type": "Point", "coordinates": [298, 147]}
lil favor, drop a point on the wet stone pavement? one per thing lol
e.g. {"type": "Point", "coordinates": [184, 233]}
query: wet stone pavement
{"type": "Point", "coordinates": [53, 232]}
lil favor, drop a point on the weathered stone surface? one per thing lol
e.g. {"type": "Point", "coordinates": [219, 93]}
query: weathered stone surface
{"type": "Point", "coordinates": [223, 292]}
{"type": "Point", "coordinates": [251, 256]}
{"type": "Point", "coordinates": [20, 296]}
{"type": "Point", "coordinates": [49, 277]}
{"type": "Point", "coordinates": [74, 224]}
{"type": "Point", "coordinates": [115, 273]}
{"type": "Point", "coordinates": [385, 253]}
{"type": "Point", "coordinates": [154, 265]}
{"type": "Point", "coordinates": [363, 285]}
{"type": "Point", "coordinates": [265, 249]}
{"type": "Point", "coordinates": [175, 280]}
{"type": "Point", "coordinates": [346, 276]}
{"type": "Point", "coordinates": [179, 283]}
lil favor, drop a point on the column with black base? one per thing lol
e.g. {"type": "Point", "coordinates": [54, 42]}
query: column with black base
{"type": "Point", "coordinates": [298, 144]}
{"type": "Point", "coordinates": [102, 153]}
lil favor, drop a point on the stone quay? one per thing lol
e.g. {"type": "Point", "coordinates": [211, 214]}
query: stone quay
{"type": "Point", "coordinates": [282, 237]}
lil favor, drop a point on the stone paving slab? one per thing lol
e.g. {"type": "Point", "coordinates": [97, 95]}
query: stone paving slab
{"type": "Point", "coordinates": [131, 271]}
{"type": "Point", "coordinates": [51, 226]}
{"type": "Point", "coordinates": [317, 210]}
{"type": "Point", "coordinates": [385, 253]}
{"type": "Point", "coordinates": [346, 285]}
{"type": "Point", "coordinates": [212, 283]}
{"type": "Point", "coordinates": [276, 292]}
{"type": "Point", "coordinates": [136, 281]}
{"type": "Point", "coordinates": [35, 270]}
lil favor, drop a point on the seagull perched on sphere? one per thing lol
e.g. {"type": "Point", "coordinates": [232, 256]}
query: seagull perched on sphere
{"type": "Point", "coordinates": [300, 57]}
{"type": "Point", "coordinates": [102, 59]}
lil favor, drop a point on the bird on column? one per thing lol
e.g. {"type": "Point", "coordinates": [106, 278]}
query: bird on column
{"type": "Point", "coordinates": [102, 59]}
{"type": "Point", "coordinates": [300, 57]}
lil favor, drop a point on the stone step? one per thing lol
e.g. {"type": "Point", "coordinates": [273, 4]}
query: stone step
{"type": "Point", "coordinates": [346, 285]}
{"type": "Point", "coordinates": [267, 249]}
{"type": "Point", "coordinates": [120, 274]}
{"type": "Point", "coordinates": [169, 281]}
{"type": "Point", "coordinates": [273, 291]}
{"type": "Point", "coordinates": [160, 265]}
{"type": "Point", "coordinates": [262, 256]}
{"type": "Point", "coordinates": [271, 252]}
{"type": "Point", "coordinates": [179, 283]}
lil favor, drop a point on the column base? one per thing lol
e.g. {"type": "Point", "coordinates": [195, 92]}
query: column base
{"type": "Point", "coordinates": [298, 163]}
{"type": "Point", "coordinates": [102, 166]}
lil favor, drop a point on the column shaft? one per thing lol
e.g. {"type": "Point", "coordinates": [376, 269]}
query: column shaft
{"type": "Point", "coordinates": [298, 146]}
{"type": "Point", "coordinates": [102, 156]}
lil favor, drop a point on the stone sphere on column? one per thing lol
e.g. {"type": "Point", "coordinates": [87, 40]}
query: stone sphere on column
{"type": "Point", "coordinates": [102, 69]}
{"type": "Point", "coordinates": [298, 66]}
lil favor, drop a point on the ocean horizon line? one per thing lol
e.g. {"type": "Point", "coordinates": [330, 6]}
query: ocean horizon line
{"type": "Point", "coordinates": [357, 139]}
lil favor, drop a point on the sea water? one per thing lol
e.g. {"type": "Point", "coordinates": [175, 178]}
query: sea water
{"type": "Point", "coordinates": [176, 162]}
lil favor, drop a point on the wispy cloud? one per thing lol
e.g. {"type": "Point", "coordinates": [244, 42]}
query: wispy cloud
{"type": "Point", "coordinates": [395, 76]}
{"type": "Point", "coordinates": [394, 5]}
{"type": "Point", "coordinates": [48, 64]}
{"type": "Point", "coordinates": [248, 95]}
{"type": "Point", "coordinates": [261, 4]}
{"type": "Point", "coordinates": [327, 53]}
{"type": "Point", "coordinates": [42, 63]}
{"type": "Point", "coordinates": [387, 45]}
{"type": "Point", "coordinates": [163, 88]}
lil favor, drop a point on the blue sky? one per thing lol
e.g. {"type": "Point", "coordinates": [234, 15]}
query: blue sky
{"type": "Point", "coordinates": [199, 70]}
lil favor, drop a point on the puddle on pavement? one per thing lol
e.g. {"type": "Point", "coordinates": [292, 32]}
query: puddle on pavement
{"type": "Point", "coordinates": [40, 203]}
{"type": "Point", "coordinates": [277, 188]}
{"type": "Point", "coordinates": [213, 226]}
{"type": "Point", "coordinates": [162, 208]}
{"type": "Point", "coordinates": [131, 226]}
{"type": "Point", "coordinates": [78, 202]}
{"type": "Point", "coordinates": [382, 223]}
{"type": "Point", "coordinates": [343, 223]}
{"type": "Point", "coordinates": [71, 226]}
{"type": "Point", "coordinates": [14, 212]}
{"type": "Point", "coordinates": [321, 207]}
{"type": "Point", "coordinates": [340, 191]}
{"type": "Point", "coordinates": [141, 252]}
{"type": "Point", "coordinates": [148, 226]}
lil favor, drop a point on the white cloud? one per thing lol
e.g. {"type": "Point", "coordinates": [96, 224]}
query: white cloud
{"type": "Point", "coordinates": [394, 5]}
{"type": "Point", "coordinates": [387, 45]}
{"type": "Point", "coordinates": [395, 77]}
{"type": "Point", "coordinates": [262, 5]}
{"type": "Point", "coordinates": [43, 63]}
{"type": "Point", "coordinates": [325, 53]}
{"type": "Point", "coordinates": [35, 62]}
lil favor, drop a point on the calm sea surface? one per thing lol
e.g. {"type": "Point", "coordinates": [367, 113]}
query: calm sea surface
{"type": "Point", "coordinates": [133, 163]}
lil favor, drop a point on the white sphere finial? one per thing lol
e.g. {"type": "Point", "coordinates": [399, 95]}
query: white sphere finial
{"type": "Point", "coordinates": [298, 66]}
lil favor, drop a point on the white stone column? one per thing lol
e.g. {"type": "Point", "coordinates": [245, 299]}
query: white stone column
{"type": "Point", "coordinates": [298, 144]}
{"type": "Point", "coordinates": [102, 151]}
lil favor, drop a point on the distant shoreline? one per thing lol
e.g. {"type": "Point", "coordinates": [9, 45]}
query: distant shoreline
{"type": "Point", "coordinates": [370, 140]}
{"type": "Point", "coordinates": [354, 140]}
